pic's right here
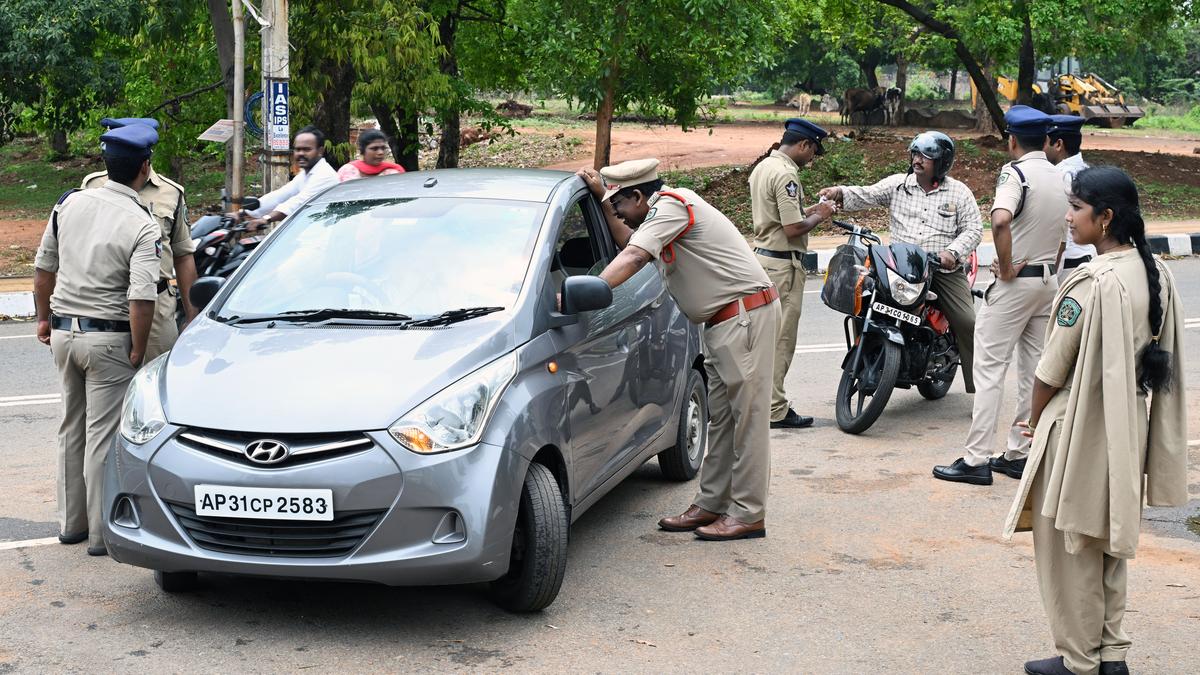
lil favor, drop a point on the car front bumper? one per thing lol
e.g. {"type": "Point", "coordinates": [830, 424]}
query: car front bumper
{"type": "Point", "coordinates": [402, 518]}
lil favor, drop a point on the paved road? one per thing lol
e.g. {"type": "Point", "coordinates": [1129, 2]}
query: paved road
{"type": "Point", "coordinates": [871, 565]}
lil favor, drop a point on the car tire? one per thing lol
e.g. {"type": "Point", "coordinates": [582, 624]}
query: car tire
{"type": "Point", "coordinates": [176, 582]}
{"type": "Point", "coordinates": [682, 461]}
{"type": "Point", "coordinates": [538, 559]}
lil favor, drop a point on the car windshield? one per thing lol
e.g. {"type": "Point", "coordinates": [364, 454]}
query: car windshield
{"type": "Point", "coordinates": [411, 257]}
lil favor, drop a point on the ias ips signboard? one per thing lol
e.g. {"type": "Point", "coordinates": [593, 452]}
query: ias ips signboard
{"type": "Point", "coordinates": [278, 135]}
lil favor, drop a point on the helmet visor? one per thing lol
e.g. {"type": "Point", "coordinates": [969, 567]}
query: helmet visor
{"type": "Point", "coordinates": [927, 145]}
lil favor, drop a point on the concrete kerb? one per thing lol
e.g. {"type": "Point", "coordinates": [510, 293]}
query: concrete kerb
{"type": "Point", "coordinates": [1166, 244]}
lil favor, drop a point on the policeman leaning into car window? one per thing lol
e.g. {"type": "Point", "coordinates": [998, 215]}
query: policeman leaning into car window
{"type": "Point", "coordinates": [781, 227]}
{"type": "Point", "coordinates": [1063, 140]}
{"type": "Point", "coordinates": [165, 200]}
{"type": "Point", "coordinates": [712, 274]}
{"type": "Point", "coordinates": [1028, 224]}
{"type": "Point", "coordinates": [94, 288]}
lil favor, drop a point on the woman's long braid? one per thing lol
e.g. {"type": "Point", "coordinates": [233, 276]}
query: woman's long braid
{"type": "Point", "coordinates": [1155, 362]}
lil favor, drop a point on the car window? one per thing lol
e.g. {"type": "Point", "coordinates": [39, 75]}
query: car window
{"type": "Point", "coordinates": [418, 257]}
{"type": "Point", "coordinates": [576, 251]}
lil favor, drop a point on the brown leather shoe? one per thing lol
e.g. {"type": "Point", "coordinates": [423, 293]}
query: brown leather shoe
{"type": "Point", "coordinates": [688, 520]}
{"type": "Point", "coordinates": [728, 529]}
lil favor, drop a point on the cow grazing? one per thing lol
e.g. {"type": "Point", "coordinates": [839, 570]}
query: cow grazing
{"type": "Point", "coordinates": [802, 102]}
{"type": "Point", "coordinates": [864, 101]}
{"type": "Point", "coordinates": [891, 106]}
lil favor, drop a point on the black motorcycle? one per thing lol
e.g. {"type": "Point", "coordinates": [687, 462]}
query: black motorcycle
{"type": "Point", "coordinates": [220, 246]}
{"type": "Point", "coordinates": [895, 334]}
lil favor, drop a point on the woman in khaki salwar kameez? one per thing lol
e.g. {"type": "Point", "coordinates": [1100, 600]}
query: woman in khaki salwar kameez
{"type": "Point", "coordinates": [1108, 424]}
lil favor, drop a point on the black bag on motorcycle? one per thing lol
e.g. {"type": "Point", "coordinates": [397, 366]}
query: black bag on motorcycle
{"type": "Point", "coordinates": [843, 282]}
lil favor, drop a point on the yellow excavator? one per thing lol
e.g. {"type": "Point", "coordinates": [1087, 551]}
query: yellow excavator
{"type": "Point", "coordinates": [1086, 95]}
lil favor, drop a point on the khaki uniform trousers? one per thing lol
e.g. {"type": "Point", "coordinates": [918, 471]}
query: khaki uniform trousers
{"type": "Point", "coordinates": [957, 303]}
{"type": "Point", "coordinates": [1084, 593]}
{"type": "Point", "coordinates": [95, 371]}
{"type": "Point", "coordinates": [1014, 315]}
{"type": "Point", "coordinates": [164, 331]}
{"type": "Point", "coordinates": [738, 354]}
{"type": "Point", "coordinates": [788, 277]}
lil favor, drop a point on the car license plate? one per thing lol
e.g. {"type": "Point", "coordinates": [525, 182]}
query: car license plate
{"type": "Point", "coordinates": [896, 313]}
{"type": "Point", "coordinates": [226, 501]}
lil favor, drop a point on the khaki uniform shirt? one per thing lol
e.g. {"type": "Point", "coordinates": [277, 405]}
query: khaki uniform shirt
{"type": "Point", "coordinates": [713, 264]}
{"type": "Point", "coordinates": [165, 200]}
{"type": "Point", "coordinates": [106, 253]}
{"type": "Point", "coordinates": [776, 199]}
{"type": "Point", "coordinates": [1042, 225]}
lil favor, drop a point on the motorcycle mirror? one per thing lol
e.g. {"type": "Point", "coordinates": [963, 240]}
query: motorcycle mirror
{"type": "Point", "coordinates": [250, 203]}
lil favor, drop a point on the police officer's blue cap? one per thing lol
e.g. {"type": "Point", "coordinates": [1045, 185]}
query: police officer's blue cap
{"type": "Point", "coordinates": [808, 130]}
{"type": "Point", "coordinates": [134, 140]}
{"type": "Point", "coordinates": [118, 122]}
{"type": "Point", "coordinates": [1065, 124]}
{"type": "Point", "coordinates": [1025, 121]}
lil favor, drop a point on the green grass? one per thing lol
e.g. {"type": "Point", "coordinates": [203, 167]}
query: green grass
{"type": "Point", "coordinates": [1188, 122]}
{"type": "Point", "coordinates": [29, 184]}
{"type": "Point", "coordinates": [1161, 200]}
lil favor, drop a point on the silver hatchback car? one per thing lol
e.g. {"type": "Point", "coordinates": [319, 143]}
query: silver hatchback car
{"type": "Point", "coordinates": [387, 391]}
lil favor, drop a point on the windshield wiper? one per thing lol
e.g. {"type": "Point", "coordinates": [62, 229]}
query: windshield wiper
{"type": "Point", "coordinates": [454, 316]}
{"type": "Point", "coordinates": [327, 315]}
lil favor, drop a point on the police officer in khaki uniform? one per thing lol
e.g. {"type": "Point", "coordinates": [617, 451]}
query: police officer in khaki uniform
{"type": "Point", "coordinates": [712, 274]}
{"type": "Point", "coordinates": [1027, 227]}
{"type": "Point", "coordinates": [781, 227]}
{"type": "Point", "coordinates": [165, 200]}
{"type": "Point", "coordinates": [94, 289]}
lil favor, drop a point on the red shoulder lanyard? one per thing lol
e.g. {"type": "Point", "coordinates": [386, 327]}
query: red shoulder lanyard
{"type": "Point", "coordinates": [668, 252]}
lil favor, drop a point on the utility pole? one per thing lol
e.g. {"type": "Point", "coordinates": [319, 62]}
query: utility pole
{"type": "Point", "coordinates": [276, 115]}
{"type": "Point", "coordinates": [239, 104]}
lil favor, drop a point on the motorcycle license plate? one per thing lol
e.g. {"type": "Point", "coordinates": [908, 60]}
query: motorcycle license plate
{"type": "Point", "coordinates": [896, 313]}
{"type": "Point", "coordinates": [227, 501]}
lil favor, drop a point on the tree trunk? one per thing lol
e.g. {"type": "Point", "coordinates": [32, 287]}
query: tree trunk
{"type": "Point", "coordinates": [869, 64]}
{"type": "Point", "coordinates": [902, 85]}
{"type": "Point", "coordinates": [604, 120]}
{"type": "Point", "coordinates": [953, 82]}
{"type": "Point", "coordinates": [222, 23]}
{"type": "Point", "coordinates": [58, 143]}
{"type": "Point", "coordinates": [451, 118]}
{"type": "Point", "coordinates": [983, 121]}
{"type": "Point", "coordinates": [332, 111]}
{"type": "Point", "coordinates": [986, 87]}
{"type": "Point", "coordinates": [1025, 61]}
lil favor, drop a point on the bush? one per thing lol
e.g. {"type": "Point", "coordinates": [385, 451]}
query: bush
{"type": "Point", "coordinates": [1189, 121]}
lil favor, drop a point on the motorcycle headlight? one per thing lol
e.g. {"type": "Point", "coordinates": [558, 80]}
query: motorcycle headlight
{"type": "Point", "coordinates": [456, 416]}
{"type": "Point", "coordinates": [903, 291]}
{"type": "Point", "coordinates": [142, 414]}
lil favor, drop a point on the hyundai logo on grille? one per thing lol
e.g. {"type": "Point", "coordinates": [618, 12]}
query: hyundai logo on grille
{"type": "Point", "coordinates": [267, 451]}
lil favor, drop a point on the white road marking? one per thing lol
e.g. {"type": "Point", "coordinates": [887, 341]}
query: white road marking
{"type": "Point", "coordinates": [14, 337]}
{"type": "Point", "coordinates": [1194, 444]}
{"type": "Point", "coordinates": [36, 399]}
{"type": "Point", "coordinates": [9, 545]}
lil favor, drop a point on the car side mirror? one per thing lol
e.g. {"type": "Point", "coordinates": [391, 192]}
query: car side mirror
{"type": "Point", "coordinates": [584, 294]}
{"type": "Point", "coordinates": [204, 290]}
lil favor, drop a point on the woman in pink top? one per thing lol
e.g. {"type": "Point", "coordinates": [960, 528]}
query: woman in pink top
{"type": "Point", "coordinates": [373, 147]}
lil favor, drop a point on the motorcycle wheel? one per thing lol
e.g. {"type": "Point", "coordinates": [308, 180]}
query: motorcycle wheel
{"type": "Point", "coordinates": [932, 389]}
{"type": "Point", "coordinates": [859, 404]}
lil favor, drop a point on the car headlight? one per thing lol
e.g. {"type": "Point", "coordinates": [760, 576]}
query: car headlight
{"type": "Point", "coordinates": [903, 291]}
{"type": "Point", "coordinates": [455, 417]}
{"type": "Point", "coordinates": [142, 415]}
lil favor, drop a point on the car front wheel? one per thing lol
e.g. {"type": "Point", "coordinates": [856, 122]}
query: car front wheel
{"type": "Point", "coordinates": [538, 559]}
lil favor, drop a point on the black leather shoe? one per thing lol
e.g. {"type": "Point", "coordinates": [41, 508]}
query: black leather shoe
{"type": "Point", "coordinates": [1113, 668]}
{"type": "Point", "coordinates": [98, 550]}
{"type": "Point", "coordinates": [1013, 468]}
{"type": "Point", "coordinates": [961, 472]}
{"type": "Point", "coordinates": [793, 421]}
{"type": "Point", "coordinates": [1052, 666]}
{"type": "Point", "coordinates": [69, 539]}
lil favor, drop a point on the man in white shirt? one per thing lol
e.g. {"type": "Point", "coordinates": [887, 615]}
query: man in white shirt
{"type": "Point", "coordinates": [1063, 139]}
{"type": "Point", "coordinates": [315, 175]}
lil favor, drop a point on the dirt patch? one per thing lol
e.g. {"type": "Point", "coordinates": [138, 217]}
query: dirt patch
{"type": "Point", "coordinates": [19, 241]}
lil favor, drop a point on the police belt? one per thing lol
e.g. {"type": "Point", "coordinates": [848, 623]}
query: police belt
{"type": "Point", "coordinates": [782, 255]}
{"type": "Point", "coordinates": [1072, 263]}
{"type": "Point", "coordinates": [87, 325]}
{"type": "Point", "coordinates": [163, 284]}
{"type": "Point", "coordinates": [1036, 270]}
{"type": "Point", "coordinates": [752, 301]}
